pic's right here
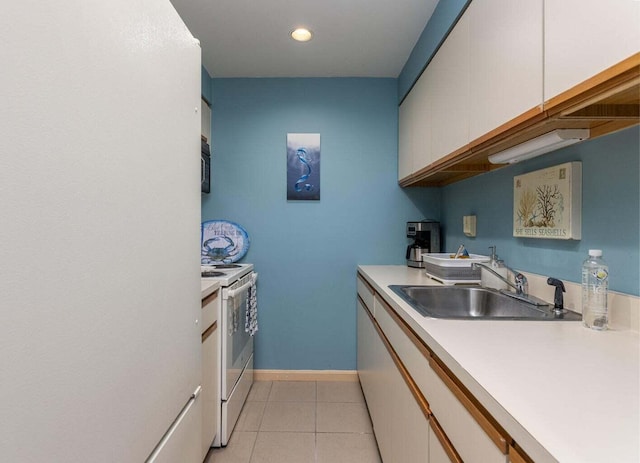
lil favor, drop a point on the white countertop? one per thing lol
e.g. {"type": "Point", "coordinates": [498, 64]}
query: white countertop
{"type": "Point", "coordinates": [563, 392]}
{"type": "Point", "coordinates": [208, 286]}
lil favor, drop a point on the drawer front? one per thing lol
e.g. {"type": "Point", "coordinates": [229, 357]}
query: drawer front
{"type": "Point", "coordinates": [415, 359]}
{"type": "Point", "coordinates": [210, 310]}
{"type": "Point", "coordinates": [365, 292]}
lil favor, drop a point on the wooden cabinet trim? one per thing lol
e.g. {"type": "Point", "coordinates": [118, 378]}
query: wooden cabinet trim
{"type": "Point", "coordinates": [487, 426]}
{"type": "Point", "coordinates": [444, 441]}
{"type": "Point", "coordinates": [210, 297]}
{"type": "Point", "coordinates": [209, 331]}
{"type": "Point", "coordinates": [516, 455]}
{"type": "Point", "coordinates": [411, 384]}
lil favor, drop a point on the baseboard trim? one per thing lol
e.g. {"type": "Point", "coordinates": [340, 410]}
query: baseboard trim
{"type": "Point", "coordinates": [305, 375]}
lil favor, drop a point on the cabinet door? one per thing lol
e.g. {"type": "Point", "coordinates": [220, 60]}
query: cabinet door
{"type": "Point", "coordinates": [410, 427]}
{"type": "Point", "coordinates": [400, 427]}
{"type": "Point", "coordinates": [421, 123]}
{"type": "Point", "coordinates": [364, 354]}
{"type": "Point", "coordinates": [210, 387]}
{"type": "Point", "coordinates": [463, 430]}
{"type": "Point", "coordinates": [405, 144]}
{"type": "Point", "coordinates": [205, 120]}
{"type": "Point", "coordinates": [505, 40]}
{"type": "Point", "coordinates": [584, 37]}
{"type": "Point", "coordinates": [449, 76]}
{"type": "Point", "coordinates": [374, 368]}
{"type": "Point", "coordinates": [414, 128]}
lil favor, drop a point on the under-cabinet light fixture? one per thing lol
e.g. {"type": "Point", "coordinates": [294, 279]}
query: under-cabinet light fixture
{"type": "Point", "coordinates": [543, 144]}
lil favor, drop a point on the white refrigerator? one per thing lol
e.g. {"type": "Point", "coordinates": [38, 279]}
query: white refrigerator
{"type": "Point", "coordinates": [99, 233]}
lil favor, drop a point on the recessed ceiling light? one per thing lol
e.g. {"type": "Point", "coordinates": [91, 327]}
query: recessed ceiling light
{"type": "Point", "coordinates": [301, 35]}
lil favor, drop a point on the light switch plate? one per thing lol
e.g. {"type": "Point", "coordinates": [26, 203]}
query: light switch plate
{"type": "Point", "coordinates": [469, 225]}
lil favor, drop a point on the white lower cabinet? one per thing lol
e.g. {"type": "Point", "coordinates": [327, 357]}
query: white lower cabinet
{"type": "Point", "coordinates": [210, 371]}
{"type": "Point", "coordinates": [400, 427]}
{"type": "Point", "coordinates": [418, 410]}
{"type": "Point", "coordinates": [411, 426]}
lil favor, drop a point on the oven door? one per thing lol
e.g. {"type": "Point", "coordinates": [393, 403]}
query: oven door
{"type": "Point", "coordinates": [238, 344]}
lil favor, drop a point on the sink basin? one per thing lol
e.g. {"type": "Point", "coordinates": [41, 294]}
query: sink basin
{"type": "Point", "coordinates": [474, 303]}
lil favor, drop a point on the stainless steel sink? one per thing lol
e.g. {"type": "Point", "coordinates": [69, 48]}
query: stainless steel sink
{"type": "Point", "coordinates": [474, 303]}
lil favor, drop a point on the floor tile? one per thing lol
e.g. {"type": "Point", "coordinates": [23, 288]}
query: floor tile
{"type": "Point", "coordinates": [346, 448]}
{"type": "Point", "coordinates": [260, 391]}
{"type": "Point", "coordinates": [339, 391]}
{"type": "Point", "coordinates": [238, 450]}
{"type": "Point", "coordinates": [284, 447]}
{"type": "Point", "coordinates": [251, 416]}
{"type": "Point", "coordinates": [289, 416]}
{"type": "Point", "coordinates": [293, 391]}
{"type": "Point", "coordinates": [342, 417]}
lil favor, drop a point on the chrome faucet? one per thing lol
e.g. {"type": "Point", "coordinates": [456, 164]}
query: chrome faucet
{"type": "Point", "coordinates": [521, 284]}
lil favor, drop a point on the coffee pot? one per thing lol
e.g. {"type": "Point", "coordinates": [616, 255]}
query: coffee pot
{"type": "Point", "coordinates": [426, 239]}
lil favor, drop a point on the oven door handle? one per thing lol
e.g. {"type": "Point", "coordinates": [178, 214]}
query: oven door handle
{"type": "Point", "coordinates": [234, 292]}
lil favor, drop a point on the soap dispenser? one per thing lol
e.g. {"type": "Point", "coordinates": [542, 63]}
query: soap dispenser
{"type": "Point", "coordinates": [489, 280]}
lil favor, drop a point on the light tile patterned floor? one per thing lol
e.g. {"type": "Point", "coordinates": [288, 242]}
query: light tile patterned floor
{"type": "Point", "coordinates": [301, 422]}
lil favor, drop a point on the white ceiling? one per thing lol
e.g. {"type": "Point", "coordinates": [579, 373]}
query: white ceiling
{"type": "Point", "coordinates": [352, 38]}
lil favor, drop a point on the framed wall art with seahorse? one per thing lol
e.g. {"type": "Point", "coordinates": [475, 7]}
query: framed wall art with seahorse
{"type": "Point", "coordinates": [303, 166]}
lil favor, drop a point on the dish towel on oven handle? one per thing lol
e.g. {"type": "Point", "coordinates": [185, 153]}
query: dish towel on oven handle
{"type": "Point", "coordinates": [251, 319]}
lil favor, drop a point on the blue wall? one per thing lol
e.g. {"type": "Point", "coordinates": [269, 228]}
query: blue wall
{"type": "Point", "coordinates": [438, 27]}
{"type": "Point", "coordinates": [610, 213]}
{"type": "Point", "coordinates": [306, 252]}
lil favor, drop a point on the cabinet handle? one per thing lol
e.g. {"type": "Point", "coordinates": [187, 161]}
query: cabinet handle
{"type": "Point", "coordinates": [494, 434]}
{"type": "Point", "coordinates": [515, 456]}
{"type": "Point", "coordinates": [210, 297]}
{"type": "Point", "coordinates": [444, 441]}
{"type": "Point", "coordinates": [209, 331]}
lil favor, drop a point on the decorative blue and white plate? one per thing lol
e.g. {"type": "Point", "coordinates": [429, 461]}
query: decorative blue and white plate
{"type": "Point", "coordinates": [222, 241]}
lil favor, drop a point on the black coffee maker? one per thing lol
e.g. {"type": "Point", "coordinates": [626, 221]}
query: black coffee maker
{"type": "Point", "coordinates": [426, 239]}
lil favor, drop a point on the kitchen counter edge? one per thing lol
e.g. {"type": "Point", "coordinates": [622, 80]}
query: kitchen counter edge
{"type": "Point", "coordinates": [208, 287]}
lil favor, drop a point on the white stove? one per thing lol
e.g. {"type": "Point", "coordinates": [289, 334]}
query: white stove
{"type": "Point", "coordinates": [226, 274]}
{"type": "Point", "coordinates": [236, 345]}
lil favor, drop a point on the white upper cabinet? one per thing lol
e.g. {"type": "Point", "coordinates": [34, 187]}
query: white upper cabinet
{"type": "Point", "coordinates": [505, 52]}
{"type": "Point", "coordinates": [449, 81]}
{"type": "Point", "coordinates": [422, 120]}
{"type": "Point", "coordinates": [414, 126]}
{"type": "Point", "coordinates": [205, 119]}
{"type": "Point", "coordinates": [405, 154]}
{"type": "Point", "coordinates": [584, 37]}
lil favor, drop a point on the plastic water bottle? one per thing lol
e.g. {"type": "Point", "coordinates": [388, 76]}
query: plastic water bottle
{"type": "Point", "coordinates": [595, 283]}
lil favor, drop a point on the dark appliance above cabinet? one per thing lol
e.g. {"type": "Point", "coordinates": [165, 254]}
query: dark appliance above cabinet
{"type": "Point", "coordinates": [205, 167]}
